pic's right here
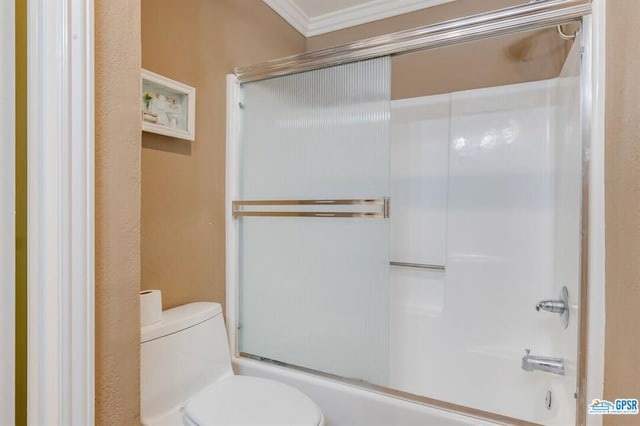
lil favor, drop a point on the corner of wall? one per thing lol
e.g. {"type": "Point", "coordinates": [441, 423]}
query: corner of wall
{"type": "Point", "coordinates": [117, 171]}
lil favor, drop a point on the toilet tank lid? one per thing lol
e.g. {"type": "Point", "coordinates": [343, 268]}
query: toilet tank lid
{"type": "Point", "coordinates": [180, 318]}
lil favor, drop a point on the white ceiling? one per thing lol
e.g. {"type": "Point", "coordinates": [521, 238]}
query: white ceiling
{"type": "Point", "coordinates": [314, 17]}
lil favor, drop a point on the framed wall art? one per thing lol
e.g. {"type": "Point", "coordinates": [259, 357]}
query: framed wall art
{"type": "Point", "coordinates": [168, 106]}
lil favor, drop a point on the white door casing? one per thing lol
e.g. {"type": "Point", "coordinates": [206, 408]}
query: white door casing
{"type": "Point", "coordinates": [60, 212]}
{"type": "Point", "coordinates": [7, 212]}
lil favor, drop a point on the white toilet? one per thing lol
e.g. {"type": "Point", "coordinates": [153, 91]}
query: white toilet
{"type": "Point", "coordinates": [186, 377]}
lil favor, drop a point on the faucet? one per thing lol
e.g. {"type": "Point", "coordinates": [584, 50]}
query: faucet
{"type": "Point", "coordinates": [542, 363]}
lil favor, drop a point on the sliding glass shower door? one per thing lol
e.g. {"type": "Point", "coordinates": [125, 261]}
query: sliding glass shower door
{"type": "Point", "coordinates": [421, 230]}
{"type": "Point", "coordinates": [312, 211]}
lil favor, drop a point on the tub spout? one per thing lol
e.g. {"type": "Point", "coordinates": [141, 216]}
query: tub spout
{"type": "Point", "coordinates": [542, 363]}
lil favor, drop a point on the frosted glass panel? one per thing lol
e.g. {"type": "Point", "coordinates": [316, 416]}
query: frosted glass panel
{"type": "Point", "coordinates": [314, 291]}
{"type": "Point", "coordinates": [319, 134]}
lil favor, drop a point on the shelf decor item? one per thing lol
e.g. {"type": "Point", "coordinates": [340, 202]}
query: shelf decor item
{"type": "Point", "coordinates": [168, 106]}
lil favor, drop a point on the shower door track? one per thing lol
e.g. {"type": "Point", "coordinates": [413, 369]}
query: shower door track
{"type": "Point", "coordinates": [406, 396]}
{"type": "Point", "coordinates": [533, 15]}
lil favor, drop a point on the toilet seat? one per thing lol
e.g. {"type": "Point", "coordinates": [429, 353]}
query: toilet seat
{"type": "Point", "coordinates": [245, 400]}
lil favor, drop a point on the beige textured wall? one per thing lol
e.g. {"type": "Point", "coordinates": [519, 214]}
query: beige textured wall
{"type": "Point", "coordinates": [622, 208]}
{"type": "Point", "coordinates": [197, 42]}
{"type": "Point", "coordinates": [498, 61]}
{"type": "Point", "coordinates": [117, 76]}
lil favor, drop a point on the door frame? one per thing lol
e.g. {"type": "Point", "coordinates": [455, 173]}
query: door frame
{"type": "Point", "coordinates": [7, 212]}
{"type": "Point", "coordinates": [60, 217]}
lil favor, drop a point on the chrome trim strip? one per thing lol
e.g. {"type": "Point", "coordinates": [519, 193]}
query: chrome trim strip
{"type": "Point", "coordinates": [365, 201]}
{"type": "Point", "coordinates": [371, 215]}
{"type": "Point", "coordinates": [586, 119]}
{"type": "Point", "coordinates": [382, 202]}
{"type": "Point", "coordinates": [394, 393]}
{"type": "Point", "coordinates": [418, 265]}
{"type": "Point", "coordinates": [518, 18]}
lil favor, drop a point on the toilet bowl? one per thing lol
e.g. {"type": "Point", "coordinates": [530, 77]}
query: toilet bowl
{"type": "Point", "coordinates": [186, 378]}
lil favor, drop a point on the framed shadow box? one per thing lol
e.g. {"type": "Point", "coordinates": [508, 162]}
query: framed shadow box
{"type": "Point", "coordinates": [168, 106]}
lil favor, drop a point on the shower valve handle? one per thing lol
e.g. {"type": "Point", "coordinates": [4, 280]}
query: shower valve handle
{"type": "Point", "coordinates": [557, 306]}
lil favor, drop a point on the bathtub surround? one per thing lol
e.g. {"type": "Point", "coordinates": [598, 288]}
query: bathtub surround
{"type": "Point", "coordinates": [466, 155]}
{"type": "Point", "coordinates": [197, 42]}
{"type": "Point", "coordinates": [117, 157]}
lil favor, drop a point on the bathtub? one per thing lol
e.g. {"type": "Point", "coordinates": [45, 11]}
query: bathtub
{"type": "Point", "coordinates": [346, 405]}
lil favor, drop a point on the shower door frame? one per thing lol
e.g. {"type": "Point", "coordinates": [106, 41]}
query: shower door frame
{"type": "Point", "coordinates": [520, 18]}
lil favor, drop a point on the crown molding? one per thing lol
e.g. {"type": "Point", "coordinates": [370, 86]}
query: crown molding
{"type": "Point", "coordinates": [372, 10]}
{"type": "Point", "coordinates": [367, 12]}
{"type": "Point", "coordinates": [291, 12]}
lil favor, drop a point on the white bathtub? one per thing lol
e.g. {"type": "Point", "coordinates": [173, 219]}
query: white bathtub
{"type": "Point", "coordinates": [346, 405]}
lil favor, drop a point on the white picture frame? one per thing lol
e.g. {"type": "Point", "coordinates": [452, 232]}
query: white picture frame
{"type": "Point", "coordinates": [168, 107]}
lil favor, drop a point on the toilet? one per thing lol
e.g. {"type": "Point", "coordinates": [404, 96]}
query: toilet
{"type": "Point", "coordinates": [186, 377]}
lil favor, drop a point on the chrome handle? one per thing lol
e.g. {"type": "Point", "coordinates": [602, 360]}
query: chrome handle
{"type": "Point", "coordinates": [418, 265]}
{"type": "Point", "coordinates": [382, 204]}
{"type": "Point", "coordinates": [557, 306]}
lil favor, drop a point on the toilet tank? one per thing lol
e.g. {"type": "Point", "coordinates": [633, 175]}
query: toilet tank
{"type": "Point", "coordinates": [181, 355]}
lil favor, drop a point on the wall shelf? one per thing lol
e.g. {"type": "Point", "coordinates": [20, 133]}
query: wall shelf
{"type": "Point", "coordinates": [167, 106]}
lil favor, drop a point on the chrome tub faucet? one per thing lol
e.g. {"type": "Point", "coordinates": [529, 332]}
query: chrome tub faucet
{"type": "Point", "coordinates": [542, 363]}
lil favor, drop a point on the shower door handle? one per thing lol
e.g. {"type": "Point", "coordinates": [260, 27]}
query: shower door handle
{"type": "Point", "coordinates": [242, 208]}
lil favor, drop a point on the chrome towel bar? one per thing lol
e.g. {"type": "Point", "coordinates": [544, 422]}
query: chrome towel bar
{"type": "Point", "coordinates": [418, 265]}
{"type": "Point", "coordinates": [238, 208]}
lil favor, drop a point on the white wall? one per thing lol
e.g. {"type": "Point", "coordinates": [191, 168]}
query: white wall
{"type": "Point", "coordinates": [459, 336]}
{"type": "Point", "coordinates": [7, 211]}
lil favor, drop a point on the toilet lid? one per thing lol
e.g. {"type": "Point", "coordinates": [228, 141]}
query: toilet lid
{"type": "Point", "coordinates": [245, 400]}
